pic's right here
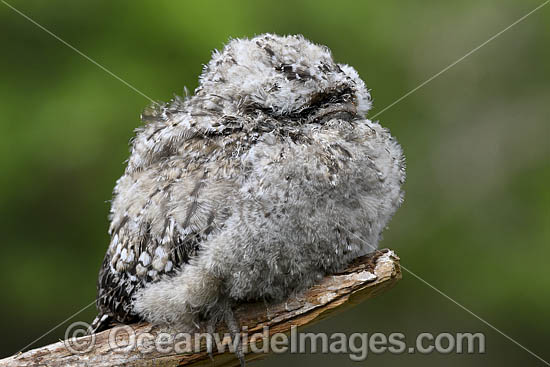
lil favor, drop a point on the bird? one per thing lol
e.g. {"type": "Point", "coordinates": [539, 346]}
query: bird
{"type": "Point", "coordinates": [264, 180]}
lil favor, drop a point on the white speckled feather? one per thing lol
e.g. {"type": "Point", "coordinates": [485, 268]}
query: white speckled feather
{"type": "Point", "coordinates": [253, 188]}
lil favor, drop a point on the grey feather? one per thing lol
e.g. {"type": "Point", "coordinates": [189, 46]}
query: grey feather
{"type": "Point", "coordinates": [253, 188]}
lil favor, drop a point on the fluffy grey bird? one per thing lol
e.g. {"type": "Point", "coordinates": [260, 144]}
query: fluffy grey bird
{"type": "Point", "coordinates": [255, 187]}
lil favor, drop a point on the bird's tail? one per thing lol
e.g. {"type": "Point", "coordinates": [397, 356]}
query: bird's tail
{"type": "Point", "coordinates": [100, 323]}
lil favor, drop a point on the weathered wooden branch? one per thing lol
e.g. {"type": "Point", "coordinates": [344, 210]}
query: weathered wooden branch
{"type": "Point", "coordinates": [365, 278]}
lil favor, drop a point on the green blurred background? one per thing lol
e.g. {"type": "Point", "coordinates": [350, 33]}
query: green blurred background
{"type": "Point", "coordinates": [476, 219]}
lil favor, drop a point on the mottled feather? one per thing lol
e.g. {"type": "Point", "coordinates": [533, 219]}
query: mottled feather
{"type": "Point", "coordinates": [253, 188]}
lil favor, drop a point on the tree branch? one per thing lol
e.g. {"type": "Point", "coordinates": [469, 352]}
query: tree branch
{"type": "Point", "coordinates": [365, 278]}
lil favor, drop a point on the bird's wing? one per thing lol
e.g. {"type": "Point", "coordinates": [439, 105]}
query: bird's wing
{"type": "Point", "coordinates": [159, 218]}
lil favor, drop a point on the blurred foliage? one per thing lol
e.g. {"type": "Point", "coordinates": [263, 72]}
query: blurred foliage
{"type": "Point", "coordinates": [476, 220]}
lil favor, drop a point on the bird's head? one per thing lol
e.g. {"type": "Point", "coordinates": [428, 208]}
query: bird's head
{"type": "Point", "coordinates": [286, 77]}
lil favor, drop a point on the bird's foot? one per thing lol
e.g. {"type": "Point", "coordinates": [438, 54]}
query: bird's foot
{"type": "Point", "coordinates": [210, 329]}
{"type": "Point", "coordinates": [234, 329]}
